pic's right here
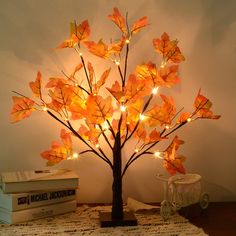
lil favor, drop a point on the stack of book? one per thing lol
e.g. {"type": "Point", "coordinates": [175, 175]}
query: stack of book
{"type": "Point", "coordinates": [30, 195]}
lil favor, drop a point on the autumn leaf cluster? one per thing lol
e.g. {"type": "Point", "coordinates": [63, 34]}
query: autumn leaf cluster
{"type": "Point", "coordinates": [135, 107]}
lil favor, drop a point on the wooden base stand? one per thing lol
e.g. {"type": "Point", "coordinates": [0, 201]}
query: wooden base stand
{"type": "Point", "coordinates": [129, 219]}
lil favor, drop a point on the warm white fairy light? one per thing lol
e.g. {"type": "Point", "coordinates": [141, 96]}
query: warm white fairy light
{"type": "Point", "coordinates": [69, 158]}
{"type": "Point", "coordinates": [76, 84]}
{"type": "Point", "coordinates": [105, 126]}
{"type": "Point", "coordinates": [117, 62]}
{"type": "Point", "coordinates": [136, 150]}
{"type": "Point", "coordinates": [97, 145]}
{"type": "Point", "coordinates": [155, 90]}
{"type": "Point", "coordinates": [81, 54]}
{"type": "Point", "coordinates": [122, 108]}
{"type": "Point", "coordinates": [45, 108]}
{"type": "Point", "coordinates": [167, 127]}
{"type": "Point", "coordinates": [75, 155]}
{"type": "Point", "coordinates": [163, 64]}
{"type": "Point", "coordinates": [189, 119]}
{"type": "Point", "coordinates": [127, 41]}
{"type": "Point", "coordinates": [142, 117]}
{"type": "Point", "coordinates": [158, 154]}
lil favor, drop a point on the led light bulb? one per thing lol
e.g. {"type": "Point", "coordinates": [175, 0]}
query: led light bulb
{"type": "Point", "coordinates": [81, 54]}
{"type": "Point", "coordinates": [97, 145]}
{"type": "Point", "coordinates": [127, 41]}
{"type": "Point", "coordinates": [167, 126]}
{"type": "Point", "coordinates": [122, 108]}
{"type": "Point", "coordinates": [75, 155]}
{"type": "Point", "coordinates": [189, 119]}
{"type": "Point", "coordinates": [158, 155]}
{"type": "Point", "coordinates": [45, 108]}
{"type": "Point", "coordinates": [163, 64]}
{"type": "Point", "coordinates": [105, 126]}
{"type": "Point", "coordinates": [117, 62]}
{"type": "Point", "coordinates": [142, 117]}
{"type": "Point", "coordinates": [155, 90]}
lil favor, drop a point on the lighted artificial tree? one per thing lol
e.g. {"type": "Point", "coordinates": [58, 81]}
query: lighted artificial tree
{"type": "Point", "coordinates": [125, 110]}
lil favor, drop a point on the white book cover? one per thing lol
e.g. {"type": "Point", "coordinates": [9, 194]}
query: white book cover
{"type": "Point", "coordinates": [20, 201]}
{"type": "Point", "coordinates": [37, 212]}
{"type": "Point", "coordinates": [38, 180]}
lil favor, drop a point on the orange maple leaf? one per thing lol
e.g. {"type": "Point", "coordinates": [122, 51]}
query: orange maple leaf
{"type": "Point", "coordinates": [77, 105]}
{"type": "Point", "coordinates": [153, 137]}
{"type": "Point", "coordinates": [134, 110]}
{"type": "Point", "coordinates": [103, 50]}
{"type": "Point", "coordinates": [161, 115]}
{"type": "Point", "coordinates": [98, 109]}
{"type": "Point", "coordinates": [66, 139]}
{"type": "Point", "coordinates": [138, 25]}
{"type": "Point", "coordinates": [184, 117]}
{"type": "Point", "coordinates": [169, 49]}
{"type": "Point", "coordinates": [59, 152]}
{"type": "Point", "coordinates": [118, 19]}
{"type": "Point", "coordinates": [78, 33]}
{"type": "Point", "coordinates": [91, 72]}
{"type": "Point", "coordinates": [169, 75]}
{"type": "Point", "coordinates": [202, 107]}
{"type": "Point", "coordinates": [116, 91]}
{"type": "Point", "coordinates": [22, 108]}
{"type": "Point", "coordinates": [56, 154]}
{"type": "Point", "coordinates": [172, 162]}
{"type": "Point", "coordinates": [136, 88]}
{"type": "Point", "coordinates": [90, 133]}
{"type": "Point", "coordinates": [101, 81]}
{"type": "Point", "coordinates": [81, 31]}
{"type": "Point", "coordinates": [149, 74]}
{"type": "Point", "coordinates": [77, 68]}
{"type": "Point", "coordinates": [99, 49]}
{"type": "Point", "coordinates": [36, 85]}
{"type": "Point", "coordinates": [62, 94]}
{"type": "Point", "coordinates": [53, 82]}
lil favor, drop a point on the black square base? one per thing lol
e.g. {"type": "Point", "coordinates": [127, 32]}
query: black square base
{"type": "Point", "coordinates": [129, 219]}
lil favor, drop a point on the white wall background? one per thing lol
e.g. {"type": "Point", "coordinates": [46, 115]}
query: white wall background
{"type": "Point", "coordinates": [206, 29]}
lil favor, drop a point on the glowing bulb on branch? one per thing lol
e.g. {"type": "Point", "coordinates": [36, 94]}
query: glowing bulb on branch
{"type": "Point", "coordinates": [189, 119]}
{"type": "Point", "coordinates": [81, 54]}
{"type": "Point", "coordinates": [75, 155]}
{"type": "Point", "coordinates": [142, 117]}
{"type": "Point", "coordinates": [127, 41]}
{"type": "Point", "coordinates": [122, 108]}
{"type": "Point", "coordinates": [105, 126]}
{"type": "Point", "coordinates": [155, 90]}
{"type": "Point", "coordinates": [158, 155]}
{"type": "Point", "coordinates": [117, 62]}
{"type": "Point", "coordinates": [45, 108]}
{"type": "Point", "coordinates": [167, 127]}
{"type": "Point", "coordinates": [163, 64]}
{"type": "Point", "coordinates": [97, 145]}
{"type": "Point", "coordinates": [136, 150]}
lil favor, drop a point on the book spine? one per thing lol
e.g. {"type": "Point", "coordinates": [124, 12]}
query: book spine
{"type": "Point", "coordinates": [34, 199]}
{"type": "Point", "coordinates": [42, 212]}
{"type": "Point", "coordinates": [40, 185]}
